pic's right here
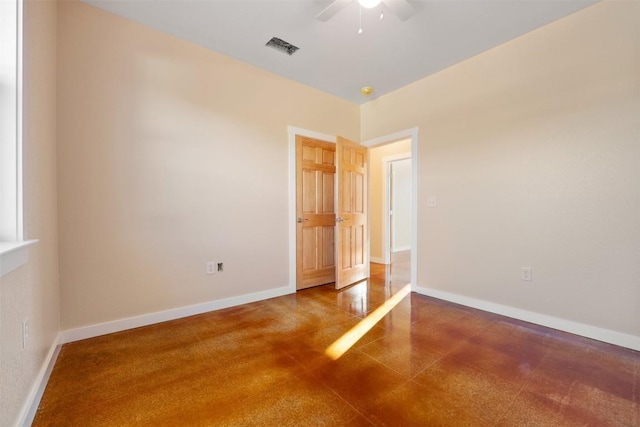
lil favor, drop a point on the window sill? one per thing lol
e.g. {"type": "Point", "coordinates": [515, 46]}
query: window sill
{"type": "Point", "coordinates": [13, 255]}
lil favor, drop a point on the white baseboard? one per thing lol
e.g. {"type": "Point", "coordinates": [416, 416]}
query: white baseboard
{"type": "Point", "coordinates": [377, 260]}
{"type": "Point", "coordinates": [593, 332]}
{"type": "Point", "coordinates": [163, 316]}
{"type": "Point", "coordinates": [30, 406]}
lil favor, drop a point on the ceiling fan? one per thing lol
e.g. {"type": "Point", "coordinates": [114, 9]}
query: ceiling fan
{"type": "Point", "coordinates": [401, 8]}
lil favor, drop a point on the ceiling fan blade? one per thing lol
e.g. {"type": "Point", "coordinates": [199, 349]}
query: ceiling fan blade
{"type": "Point", "coordinates": [332, 9]}
{"type": "Point", "coordinates": [401, 8]}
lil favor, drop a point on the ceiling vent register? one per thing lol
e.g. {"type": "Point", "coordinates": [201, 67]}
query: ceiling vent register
{"type": "Point", "coordinates": [282, 46]}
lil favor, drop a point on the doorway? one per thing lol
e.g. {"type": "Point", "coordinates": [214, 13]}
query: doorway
{"type": "Point", "coordinates": [315, 212]}
{"type": "Point", "coordinates": [399, 205]}
{"type": "Point", "coordinates": [395, 204]}
{"type": "Point", "coordinates": [391, 231]}
{"type": "Point", "coordinates": [331, 212]}
{"type": "Point", "coordinates": [396, 147]}
{"type": "Point", "coordinates": [398, 219]}
{"type": "Point", "coordinates": [410, 134]}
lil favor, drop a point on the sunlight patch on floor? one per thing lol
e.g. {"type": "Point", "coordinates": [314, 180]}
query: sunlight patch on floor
{"type": "Point", "coordinates": [345, 342]}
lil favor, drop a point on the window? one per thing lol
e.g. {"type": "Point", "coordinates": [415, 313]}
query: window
{"type": "Point", "coordinates": [10, 109]}
{"type": "Point", "coordinates": [11, 235]}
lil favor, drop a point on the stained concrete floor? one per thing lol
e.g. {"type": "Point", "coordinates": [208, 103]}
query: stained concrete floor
{"type": "Point", "coordinates": [427, 363]}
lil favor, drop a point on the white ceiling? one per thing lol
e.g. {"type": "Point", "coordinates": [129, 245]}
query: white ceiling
{"type": "Point", "coordinates": [333, 57]}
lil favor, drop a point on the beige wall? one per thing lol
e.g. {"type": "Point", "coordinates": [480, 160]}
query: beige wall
{"type": "Point", "coordinates": [32, 290]}
{"type": "Point", "coordinates": [171, 155]}
{"type": "Point", "coordinates": [532, 149]}
{"type": "Point", "coordinates": [376, 192]}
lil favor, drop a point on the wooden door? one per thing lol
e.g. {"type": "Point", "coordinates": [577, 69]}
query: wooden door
{"type": "Point", "coordinates": [315, 212]}
{"type": "Point", "coordinates": [351, 245]}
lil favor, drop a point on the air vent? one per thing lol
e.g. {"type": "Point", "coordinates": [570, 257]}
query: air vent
{"type": "Point", "coordinates": [282, 46]}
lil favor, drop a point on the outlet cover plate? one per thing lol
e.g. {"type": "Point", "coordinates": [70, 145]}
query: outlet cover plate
{"type": "Point", "coordinates": [211, 267]}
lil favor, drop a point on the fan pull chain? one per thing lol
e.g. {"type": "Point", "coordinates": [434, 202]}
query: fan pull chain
{"type": "Point", "coordinates": [360, 28]}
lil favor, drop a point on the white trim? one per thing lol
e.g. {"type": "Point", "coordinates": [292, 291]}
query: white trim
{"type": "Point", "coordinates": [30, 406]}
{"type": "Point", "coordinates": [401, 249]}
{"type": "Point", "coordinates": [19, 77]}
{"type": "Point", "coordinates": [163, 316]}
{"type": "Point", "coordinates": [386, 204]}
{"type": "Point", "coordinates": [14, 255]}
{"type": "Point", "coordinates": [395, 157]}
{"type": "Point", "coordinates": [11, 210]}
{"type": "Point", "coordinates": [411, 133]}
{"type": "Point", "coordinates": [593, 332]}
{"type": "Point", "coordinates": [377, 260]}
{"type": "Point", "coordinates": [293, 131]}
{"type": "Point", "coordinates": [387, 139]}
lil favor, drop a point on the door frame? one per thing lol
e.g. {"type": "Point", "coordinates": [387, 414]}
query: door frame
{"type": "Point", "coordinates": [412, 134]}
{"type": "Point", "coordinates": [386, 203]}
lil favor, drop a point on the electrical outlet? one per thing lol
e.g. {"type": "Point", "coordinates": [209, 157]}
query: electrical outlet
{"type": "Point", "coordinates": [526, 274]}
{"type": "Point", "coordinates": [25, 333]}
{"type": "Point", "coordinates": [220, 266]}
{"type": "Point", "coordinates": [211, 267]}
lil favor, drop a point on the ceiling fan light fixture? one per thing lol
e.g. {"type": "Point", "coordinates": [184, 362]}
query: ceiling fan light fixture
{"type": "Point", "coordinates": [369, 3]}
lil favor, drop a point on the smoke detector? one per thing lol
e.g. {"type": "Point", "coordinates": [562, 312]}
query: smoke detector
{"type": "Point", "coordinates": [366, 91]}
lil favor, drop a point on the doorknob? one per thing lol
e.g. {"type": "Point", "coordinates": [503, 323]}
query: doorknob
{"type": "Point", "coordinates": [302, 219]}
{"type": "Point", "coordinates": [339, 219]}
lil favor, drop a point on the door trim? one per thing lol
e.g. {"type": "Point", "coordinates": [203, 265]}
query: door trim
{"type": "Point", "coordinates": [412, 134]}
{"type": "Point", "coordinates": [293, 131]}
